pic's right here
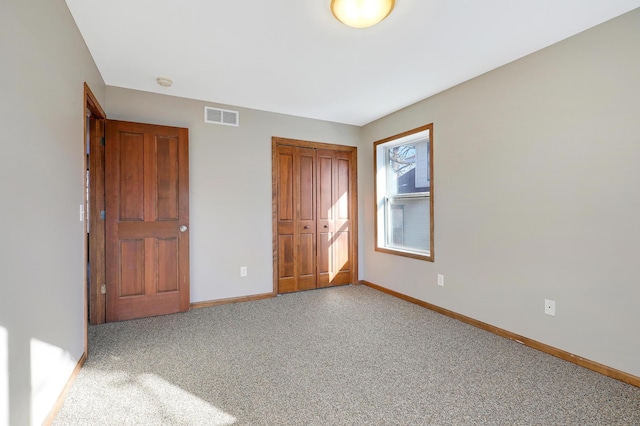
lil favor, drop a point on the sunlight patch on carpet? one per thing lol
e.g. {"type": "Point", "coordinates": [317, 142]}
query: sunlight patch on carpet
{"type": "Point", "coordinates": [147, 398]}
{"type": "Point", "coordinates": [180, 405]}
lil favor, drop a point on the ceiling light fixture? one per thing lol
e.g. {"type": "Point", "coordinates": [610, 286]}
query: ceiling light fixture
{"type": "Point", "coordinates": [361, 13]}
{"type": "Point", "coordinates": [164, 82]}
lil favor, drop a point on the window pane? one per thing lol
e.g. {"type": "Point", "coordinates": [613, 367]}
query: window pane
{"type": "Point", "coordinates": [408, 223]}
{"type": "Point", "coordinates": [396, 224]}
{"type": "Point", "coordinates": [408, 168]}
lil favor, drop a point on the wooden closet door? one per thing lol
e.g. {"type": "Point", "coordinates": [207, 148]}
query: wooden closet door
{"type": "Point", "coordinates": [306, 218]}
{"type": "Point", "coordinates": [296, 218]}
{"type": "Point", "coordinates": [314, 215]}
{"type": "Point", "coordinates": [334, 217]}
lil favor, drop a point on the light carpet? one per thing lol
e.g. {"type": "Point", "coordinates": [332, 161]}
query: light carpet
{"type": "Point", "coordinates": [341, 356]}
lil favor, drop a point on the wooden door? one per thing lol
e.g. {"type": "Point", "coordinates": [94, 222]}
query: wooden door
{"type": "Point", "coordinates": [296, 227]}
{"type": "Point", "coordinates": [96, 223]}
{"type": "Point", "coordinates": [314, 207]}
{"type": "Point", "coordinates": [334, 217]}
{"type": "Point", "coordinates": [147, 219]}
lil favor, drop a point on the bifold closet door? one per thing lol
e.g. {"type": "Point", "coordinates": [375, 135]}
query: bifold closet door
{"type": "Point", "coordinates": [296, 218]}
{"type": "Point", "coordinates": [334, 217]}
{"type": "Point", "coordinates": [314, 214]}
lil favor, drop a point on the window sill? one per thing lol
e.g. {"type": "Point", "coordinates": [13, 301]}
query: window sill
{"type": "Point", "coordinates": [427, 256]}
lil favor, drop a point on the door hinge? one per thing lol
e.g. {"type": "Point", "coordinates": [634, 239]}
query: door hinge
{"type": "Point", "coordinates": [103, 214]}
{"type": "Point", "coordinates": [102, 141]}
{"type": "Point", "coordinates": [103, 289]}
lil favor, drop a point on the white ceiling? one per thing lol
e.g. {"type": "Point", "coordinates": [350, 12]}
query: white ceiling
{"type": "Point", "coordinates": [294, 57]}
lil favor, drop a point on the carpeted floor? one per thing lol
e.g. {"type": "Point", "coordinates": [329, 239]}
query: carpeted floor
{"type": "Point", "coordinates": [340, 356]}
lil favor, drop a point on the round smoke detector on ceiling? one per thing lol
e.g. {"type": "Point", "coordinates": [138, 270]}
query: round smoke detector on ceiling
{"type": "Point", "coordinates": [164, 82]}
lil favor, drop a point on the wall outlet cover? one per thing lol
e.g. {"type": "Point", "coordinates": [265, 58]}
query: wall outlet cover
{"type": "Point", "coordinates": [549, 307]}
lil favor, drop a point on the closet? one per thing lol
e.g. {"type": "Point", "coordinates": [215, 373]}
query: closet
{"type": "Point", "coordinates": [314, 215]}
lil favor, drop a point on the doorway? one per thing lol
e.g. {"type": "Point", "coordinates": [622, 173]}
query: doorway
{"type": "Point", "coordinates": [314, 215]}
{"type": "Point", "coordinates": [136, 218]}
{"type": "Point", "coordinates": [95, 118]}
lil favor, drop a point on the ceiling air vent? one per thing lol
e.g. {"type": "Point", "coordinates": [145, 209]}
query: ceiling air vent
{"type": "Point", "coordinates": [221, 116]}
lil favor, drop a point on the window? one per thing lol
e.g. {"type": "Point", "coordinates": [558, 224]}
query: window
{"type": "Point", "coordinates": [404, 193]}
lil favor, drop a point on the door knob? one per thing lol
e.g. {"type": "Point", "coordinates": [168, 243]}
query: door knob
{"type": "Point", "coordinates": [183, 228]}
{"type": "Point", "coordinates": [306, 227]}
{"type": "Point", "coordinates": [326, 226]}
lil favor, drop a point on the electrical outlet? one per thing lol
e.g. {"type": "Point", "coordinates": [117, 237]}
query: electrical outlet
{"type": "Point", "coordinates": [549, 307]}
{"type": "Point", "coordinates": [243, 271]}
{"type": "Point", "coordinates": [441, 280]}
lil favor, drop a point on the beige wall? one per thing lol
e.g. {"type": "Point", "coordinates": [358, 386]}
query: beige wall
{"type": "Point", "coordinates": [230, 185]}
{"type": "Point", "coordinates": [44, 63]}
{"type": "Point", "coordinates": [536, 196]}
{"type": "Point", "coordinates": [535, 183]}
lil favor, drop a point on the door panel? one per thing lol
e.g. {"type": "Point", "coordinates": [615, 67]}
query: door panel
{"type": "Point", "coordinates": [285, 220]}
{"type": "Point", "coordinates": [305, 200]}
{"type": "Point", "coordinates": [342, 186]}
{"type": "Point", "coordinates": [306, 262]}
{"type": "Point", "coordinates": [286, 271]}
{"type": "Point", "coordinates": [342, 225]}
{"type": "Point", "coordinates": [296, 218]}
{"type": "Point", "coordinates": [325, 177]}
{"type": "Point", "coordinates": [167, 178]}
{"type": "Point", "coordinates": [130, 177]}
{"type": "Point", "coordinates": [334, 228]}
{"type": "Point", "coordinates": [341, 251]}
{"type": "Point", "coordinates": [324, 258]}
{"type": "Point", "coordinates": [285, 185]}
{"type": "Point", "coordinates": [307, 181]}
{"type": "Point", "coordinates": [167, 261]}
{"type": "Point", "coordinates": [325, 216]}
{"type": "Point", "coordinates": [131, 279]}
{"type": "Point", "coordinates": [147, 186]}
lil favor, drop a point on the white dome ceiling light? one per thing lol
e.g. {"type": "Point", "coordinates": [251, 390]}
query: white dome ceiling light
{"type": "Point", "coordinates": [361, 13]}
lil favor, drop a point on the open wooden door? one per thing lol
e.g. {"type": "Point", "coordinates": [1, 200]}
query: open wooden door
{"type": "Point", "coordinates": [147, 220]}
{"type": "Point", "coordinates": [96, 224]}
